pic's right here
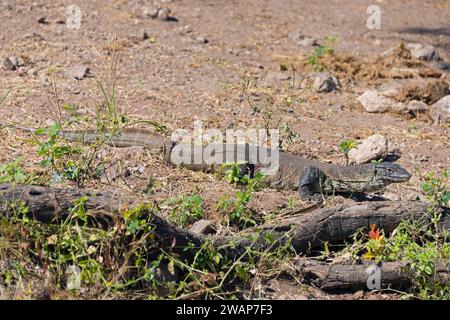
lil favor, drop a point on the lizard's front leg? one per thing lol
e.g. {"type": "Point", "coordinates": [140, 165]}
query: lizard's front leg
{"type": "Point", "coordinates": [312, 183]}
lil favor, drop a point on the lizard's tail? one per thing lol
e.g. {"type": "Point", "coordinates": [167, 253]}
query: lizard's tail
{"type": "Point", "coordinates": [155, 143]}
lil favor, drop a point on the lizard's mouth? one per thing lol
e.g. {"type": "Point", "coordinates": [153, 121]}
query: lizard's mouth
{"type": "Point", "coordinates": [398, 176]}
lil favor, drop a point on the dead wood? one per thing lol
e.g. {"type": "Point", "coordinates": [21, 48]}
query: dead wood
{"type": "Point", "coordinates": [305, 231]}
{"type": "Point", "coordinates": [364, 276]}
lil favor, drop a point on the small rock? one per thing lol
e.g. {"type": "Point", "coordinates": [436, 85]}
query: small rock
{"type": "Point", "coordinates": [440, 111]}
{"type": "Point", "coordinates": [163, 14]}
{"type": "Point", "coordinates": [302, 39]}
{"type": "Point", "coordinates": [42, 20]}
{"type": "Point", "coordinates": [376, 103]}
{"type": "Point", "coordinates": [423, 52]}
{"type": "Point", "coordinates": [307, 42]}
{"type": "Point", "coordinates": [186, 29]}
{"type": "Point", "coordinates": [202, 40]}
{"type": "Point", "coordinates": [324, 82]}
{"type": "Point", "coordinates": [144, 35]}
{"type": "Point", "coordinates": [150, 12]}
{"type": "Point", "coordinates": [417, 106]}
{"type": "Point", "coordinates": [13, 63]}
{"type": "Point", "coordinates": [32, 72]}
{"type": "Point", "coordinates": [203, 227]}
{"type": "Point", "coordinates": [60, 20]}
{"type": "Point", "coordinates": [275, 78]}
{"type": "Point", "coordinates": [78, 72]}
{"type": "Point", "coordinates": [372, 148]}
{"type": "Point", "coordinates": [372, 102]}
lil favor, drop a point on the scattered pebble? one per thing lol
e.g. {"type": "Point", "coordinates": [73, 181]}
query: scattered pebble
{"type": "Point", "coordinates": [42, 20]}
{"type": "Point", "coordinates": [307, 42]}
{"type": "Point", "coordinates": [275, 78]}
{"type": "Point", "coordinates": [374, 147]}
{"type": "Point", "coordinates": [163, 14]}
{"type": "Point", "coordinates": [32, 72]}
{"type": "Point", "coordinates": [150, 12]}
{"type": "Point", "coordinates": [144, 34]}
{"type": "Point", "coordinates": [324, 82]}
{"type": "Point", "coordinates": [13, 63]}
{"type": "Point", "coordinates": [417, 106]}
{"type": "Point", "coordinates": [202, 40]}
{"type": "Point", "coordinates": [202, 227]}
{"type": "Point", "coordinates": [303, 40]}
{"type": "Point", "coordinates": [186, 29]}
{"type": "Point", "coordinates": [78, 72]}
{"type": "Point", "coordinates": [440, 111]}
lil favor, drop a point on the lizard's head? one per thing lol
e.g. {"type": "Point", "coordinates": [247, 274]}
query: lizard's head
{"type": "Point", "coordinates": [391, 172]}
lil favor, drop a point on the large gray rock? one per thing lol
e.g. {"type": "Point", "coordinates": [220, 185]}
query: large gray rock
{"type": "Point", "coordinates": [423, 51]}
{"type": "Point", "coordinates": [377, 103]}
{"type": "Point", "coordinates": [372, 148]}
{"type": "Point", "coordinates": [324, 82]}
{"type": "Point", "coordinates": [440, 111]}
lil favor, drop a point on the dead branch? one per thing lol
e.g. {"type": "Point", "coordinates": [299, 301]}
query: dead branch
{"type": "Point", "coordinates": [341, 276]}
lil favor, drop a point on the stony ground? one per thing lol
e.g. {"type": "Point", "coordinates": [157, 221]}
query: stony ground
{"type": "Point", "coordinates": [230, 64]}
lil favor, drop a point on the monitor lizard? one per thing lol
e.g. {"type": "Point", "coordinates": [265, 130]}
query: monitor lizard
{"type": "Point", "coordinates": [313, 179]}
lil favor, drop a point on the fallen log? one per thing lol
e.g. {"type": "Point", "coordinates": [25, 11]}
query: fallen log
{"type": "Point", "coordinates": [366, 276]}
{"type": "Point", "coordinates": [336, 224]}
{"type": "Point", "coordinates": [50, 205]}
{"type": "Point", "coordinates": [305, 231]}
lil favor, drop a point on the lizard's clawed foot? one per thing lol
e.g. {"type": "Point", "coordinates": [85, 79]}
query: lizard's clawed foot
{"type": "Point", "coordinates": [311, 183]}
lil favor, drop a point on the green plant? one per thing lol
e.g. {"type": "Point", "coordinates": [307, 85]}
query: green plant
{"type": "Point", "coordinates": [237, 207]}
{"type": "Point", "coordinates": [13, 172]}
{"type": "Point", "coordinates": [410, 244]}
{"type": "Point", "coordinates": [437, 189]}
{"type": "Point", "coordinates": [235, 172]}
{"type": "Point", "coordinates": [54, 149]}
{"type": "Point", "coordinates": [109, 119]}
{"type": "Point", "coordinates": [315, 57]}
{"type": "Point", "coordinates": [185, 209]}
{"type": "Point", "coordinates": [345, 147]}
{"type": "Point", "coordinates": [421, 245]}
{"type": "Point", "coordinates": [114, 259]}
{"type": "Point", "coordinates": [375, 245]}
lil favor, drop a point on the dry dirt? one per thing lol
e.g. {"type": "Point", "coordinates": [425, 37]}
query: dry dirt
{"type": "Point", "coordinates": [174, 77]}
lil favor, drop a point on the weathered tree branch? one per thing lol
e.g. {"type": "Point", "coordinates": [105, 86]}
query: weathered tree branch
{"type": "Point", "coordinates": [49, 205]}
{"type": "Point", "coordinates": [338, 223]}
{"type": "Point", "coordinates": [305, 231]}
{"type": "Point", "coordinates": [341, 276]}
